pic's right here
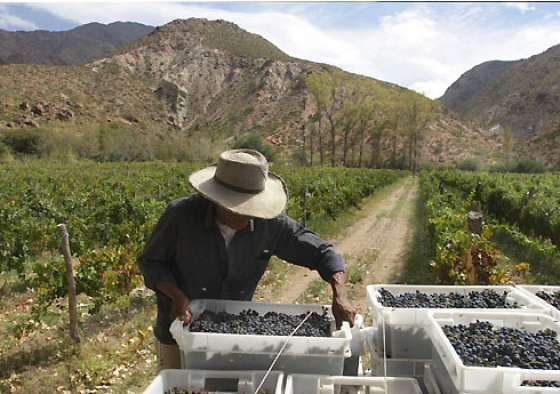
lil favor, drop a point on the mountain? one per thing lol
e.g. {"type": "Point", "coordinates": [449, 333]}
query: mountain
{"type": "Point", "coordinates": [219, 77]}
{"type": "Point", "coordinates": [213, 81]}
{"type": "Point", "coordinates": [459, 97]}
{"type": "Point", "coordinates": [77, 46]}
{"type": "Point", "coordinates": [523, 95]}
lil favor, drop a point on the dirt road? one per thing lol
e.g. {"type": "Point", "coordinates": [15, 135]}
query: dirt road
{"type": "Point", "coordinates": [374, 247]}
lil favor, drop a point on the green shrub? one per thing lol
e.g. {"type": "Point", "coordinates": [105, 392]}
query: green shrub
{"type": "Point", "coordinates": [468, 165]}
{"type": "Point", "coordinates": [23, 141]}
{"type": "Point", "coordinates": [523, 166]}
{"type": "Point", "coordinates": [255, 142]}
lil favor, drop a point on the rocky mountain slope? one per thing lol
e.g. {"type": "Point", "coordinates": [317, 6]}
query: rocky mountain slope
{"type": "Point", "coordinates": [464, 92]}
{"type": "Point", "coordinates": [218, 77]}
{"type": "Point", "coordinates": [76, 46]}
{"type": "Point", "coordinates": [523, 95]}
{"type": "Point", "coordinates": [211, 78]}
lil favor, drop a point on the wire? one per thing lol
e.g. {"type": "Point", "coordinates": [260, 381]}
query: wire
{"type": "Point", "coordinates": [281, 351]}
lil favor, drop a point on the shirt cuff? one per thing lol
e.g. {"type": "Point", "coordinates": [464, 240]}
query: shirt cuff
{"type": "Point", "coordinates": [331, 263]}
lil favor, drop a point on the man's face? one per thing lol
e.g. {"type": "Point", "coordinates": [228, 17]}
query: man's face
{"type": "Point", "coordinates": [232, 220]}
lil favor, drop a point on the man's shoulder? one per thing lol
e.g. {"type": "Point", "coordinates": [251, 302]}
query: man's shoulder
{"type": "Point", "coordinates": [279, 221]}
{"type": "Point", "coordinates": [194, 203]}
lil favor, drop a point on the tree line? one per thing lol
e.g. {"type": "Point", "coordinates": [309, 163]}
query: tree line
{"type": "Point", "coordinates": [355, 126]}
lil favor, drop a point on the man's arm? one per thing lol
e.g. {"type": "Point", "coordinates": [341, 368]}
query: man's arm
{"type": "Point", "coordinates": [155, 261]}
{"type": "Point", "coordinates": [298, 245]}
{"type": "Point", "coordinates": [342, 309]}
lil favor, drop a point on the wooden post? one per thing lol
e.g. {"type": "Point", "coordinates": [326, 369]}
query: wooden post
{"type": "Point", "coordinates": [305, 195]}
{"type": "Point", "coordinates": [475, 222]}
{"type": "Point", "coordinates": [72, 309]}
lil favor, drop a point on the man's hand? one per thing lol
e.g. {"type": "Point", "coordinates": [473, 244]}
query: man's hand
{"type": "Point", "coordinates": [180, 303]}
{"type": "Point", "coordinates": [341, 307]}
{"type": "Point", "coordinates": [180, 309]}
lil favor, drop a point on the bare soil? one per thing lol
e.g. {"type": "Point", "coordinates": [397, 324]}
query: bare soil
{"type": "Point", "coordinates": [376, 245]}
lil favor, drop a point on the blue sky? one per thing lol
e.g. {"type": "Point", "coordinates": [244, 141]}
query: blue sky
{"type": "Point", "coordinates": [422, 46]}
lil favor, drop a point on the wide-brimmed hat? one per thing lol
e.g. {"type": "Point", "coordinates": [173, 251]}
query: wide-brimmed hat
{"type": "Point", "coordinates": [241, 183]}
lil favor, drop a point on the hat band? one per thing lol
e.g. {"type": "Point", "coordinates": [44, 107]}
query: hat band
{"type": "Point", "coordinates": [237, 188]}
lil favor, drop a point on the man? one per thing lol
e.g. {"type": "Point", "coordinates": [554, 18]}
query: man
{"type": "Point", "coordinates": [217, 244]}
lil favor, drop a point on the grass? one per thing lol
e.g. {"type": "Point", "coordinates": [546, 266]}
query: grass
{"type": "Point", "coordinates": [354, 276]}
{"type": "Point", "coordinates": [115, 354]}
{"type": "Point", "coordinates": [417, 268]}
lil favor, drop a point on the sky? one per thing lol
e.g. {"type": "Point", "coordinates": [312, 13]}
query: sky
{"type": "Point", "coordinates": [421, 46]}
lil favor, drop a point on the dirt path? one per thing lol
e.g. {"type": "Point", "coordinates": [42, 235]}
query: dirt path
{"type": "Point", "coordinates": [374, 246]}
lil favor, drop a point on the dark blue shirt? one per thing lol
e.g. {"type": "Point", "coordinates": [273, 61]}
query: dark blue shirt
{"type": "Point", "coordinates": [186, 247]}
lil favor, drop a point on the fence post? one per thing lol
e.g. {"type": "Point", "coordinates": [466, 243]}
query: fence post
{"type": "Point", "coordinates": [305, 193]}
{"type": "Point", "coordinates": [72, 305]}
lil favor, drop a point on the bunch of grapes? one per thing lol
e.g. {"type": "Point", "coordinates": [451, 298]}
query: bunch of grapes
{"type": "Point", "coordinates": [250, 322]}
{"type": "Point", "coordinates": [488, 298]}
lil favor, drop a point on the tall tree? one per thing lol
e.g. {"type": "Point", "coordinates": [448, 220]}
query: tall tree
{"type": "Point", "coordinates": [508, 145]}
{"type": "Point", "coordinates": [328, 90]}
{"type": "Point", "coordinates": [417, 114]}
{"type": "Point", "coordinates": [348, 118]}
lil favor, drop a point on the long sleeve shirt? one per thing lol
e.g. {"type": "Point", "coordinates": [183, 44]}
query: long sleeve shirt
{"type": "Point", "coordinates": [187, 248]}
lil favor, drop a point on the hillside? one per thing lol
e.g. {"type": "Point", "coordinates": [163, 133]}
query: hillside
{"type": "Point", "coordinates": [77, 46]}
{"type": "Point", "coordinates": [220, 78]}
{"type": "Point", "coordinates": [463, 93]}
{"type": "Point", "coordinates": [523, 95]}
{"type": "Point", "coordinates": [213, 82]}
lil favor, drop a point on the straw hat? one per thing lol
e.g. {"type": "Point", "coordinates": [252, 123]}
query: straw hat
{"type": "Point", "coordinates": [241, 183]}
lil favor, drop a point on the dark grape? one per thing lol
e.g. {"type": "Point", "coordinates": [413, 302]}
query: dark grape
{"type": "Point", "coordinates": [552, 298]}
{"type": "Point", "coordinates": [541, 383]}
{"type": "Point", "coordinates": [250, 322]}
{"type": "Point", "coordinates": [474, 299]}
{"type": "Point", "coordinates": [176, 390]}
{"type": "Point", "coordinates": [482, 344]}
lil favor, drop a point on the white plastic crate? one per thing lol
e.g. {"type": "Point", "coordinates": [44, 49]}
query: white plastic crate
{"type": "Point", "coordinates": [256, 352]}
{"type": "Point", "coordinates": [401, 332]}
{"type": "Point", "coordinates": [514, 383]}
{"type": "Point", "coordinates": [242, 382]}
{"type": "Point", "coordinates": [400, 367]}
{"type": "Point", "coordinates": [534, 289]}
{"type": "Point", "coordinates": [453, 376]}
{"type": "Point", "coordinates": [313, 384]}
{"type": "Point", "coordinates": [430, 380]}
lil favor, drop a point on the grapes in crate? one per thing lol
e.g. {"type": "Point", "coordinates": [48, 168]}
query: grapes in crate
{"type": "Point", "coordinates": [487, 299]}
{"type": "Point", "coordinates": [176, 390]}
{"type": "Point", "coordinates": [483, 345]}
{"type": "Point", "coordinates": [552, 298]}
{"type": "Point", "coordinates": [250, 322]}
{"type": "Point", "coordinates": [541, 383]}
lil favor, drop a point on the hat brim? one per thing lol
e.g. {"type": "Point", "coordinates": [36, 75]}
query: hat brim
{"type": "Point", "coordinates": [267, 204]}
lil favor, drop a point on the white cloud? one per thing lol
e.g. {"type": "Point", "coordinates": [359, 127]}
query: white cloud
{"type": "Point", "coordinates": [521, 7]}
{"type": "Point", "coordinates": [8, 21]}
{"type": "Point", "coordinates": [419, 48]}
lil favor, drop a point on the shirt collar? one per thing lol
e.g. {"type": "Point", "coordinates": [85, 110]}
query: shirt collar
{"type": "Point", "coordinates": [210, 218]}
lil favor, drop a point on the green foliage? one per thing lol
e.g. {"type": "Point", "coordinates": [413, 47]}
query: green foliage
{"type": "Point", "coordinates": [5, 153]}
{"type": "Point", "coordinates": [522, 210]}
{"type": "Point", "coordinates": [468, 165]}
{"type": "Point", "coordinates": [23, 141]}
{"type": "Point", "coordinates": [525, 166]}
{"type": "Point", "coordinates": [354, 276]}
{"type": "Point", "coordinates": [254, 141]}
{"type": "Point", "coordinates": [110, 210]}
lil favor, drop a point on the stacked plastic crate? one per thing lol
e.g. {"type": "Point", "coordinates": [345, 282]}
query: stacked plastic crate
{"type": "Point", "coordinates": [401, 341]}
{"type": "Point", "coordinates": [235, 363]}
